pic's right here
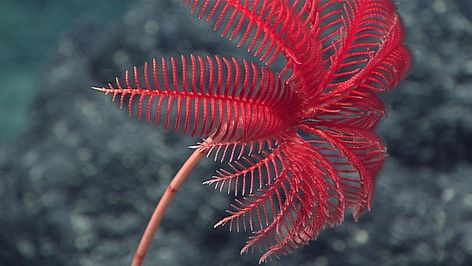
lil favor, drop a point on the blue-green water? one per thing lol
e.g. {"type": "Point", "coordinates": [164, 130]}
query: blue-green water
{"type": "Point", "coordinates": [29, 30]}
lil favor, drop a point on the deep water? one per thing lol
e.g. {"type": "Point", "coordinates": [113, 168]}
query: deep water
{"type": "Point", "coordinates": [79, 179]}
{"type": "Point", "coordinates": [29, 34]}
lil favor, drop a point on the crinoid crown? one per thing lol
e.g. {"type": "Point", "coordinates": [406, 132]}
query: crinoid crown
{"type": "Point", "coordinates": [301, 145]}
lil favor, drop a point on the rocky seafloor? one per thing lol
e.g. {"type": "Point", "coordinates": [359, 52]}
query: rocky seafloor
{"type": "Point", "coordinates": [79, 186]}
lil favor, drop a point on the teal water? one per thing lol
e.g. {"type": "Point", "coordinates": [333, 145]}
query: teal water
{"type": "Point", "coordinates": [29, 31]}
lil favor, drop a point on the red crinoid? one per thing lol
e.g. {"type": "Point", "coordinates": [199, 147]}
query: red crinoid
{"type": "Point", "coordinates": [300, 143]}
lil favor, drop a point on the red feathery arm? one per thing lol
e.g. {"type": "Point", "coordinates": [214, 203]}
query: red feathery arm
{"type": "Point", "coordinates": [358, 155]}
{"type": "Point", "coordinates": [356, 110]}
{"type": "Point", "coordinates": [367, 48]}
{"type": "Point", "coordinates": [212, 96]}
{"type": "Point", "coordinates": [299, 192]}
{"type": "Point", "coordinates": [267, 27]}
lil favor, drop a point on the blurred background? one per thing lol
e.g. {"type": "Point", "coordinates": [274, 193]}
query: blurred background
{"type": "Point", "coordinates": [79, 179]}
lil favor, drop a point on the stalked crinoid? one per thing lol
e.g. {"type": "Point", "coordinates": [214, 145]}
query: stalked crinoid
{"type": "Point", "coordinates": [300, 143]}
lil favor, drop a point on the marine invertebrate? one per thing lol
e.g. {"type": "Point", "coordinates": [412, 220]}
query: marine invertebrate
{"type": "Point", "coordinates": [300, 143]}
